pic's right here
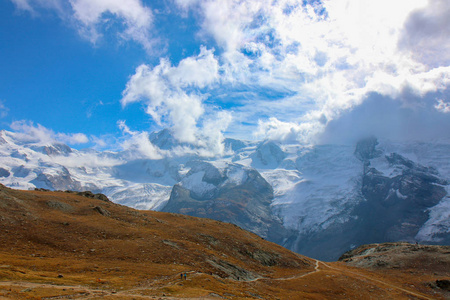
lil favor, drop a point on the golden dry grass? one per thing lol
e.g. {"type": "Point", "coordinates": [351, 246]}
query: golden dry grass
{"type": "Point", "coordinates": [56, 245]}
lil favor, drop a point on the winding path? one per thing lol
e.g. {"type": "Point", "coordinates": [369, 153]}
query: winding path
{"type": "Point", "coordinates": [421, 296]}
{"type": "Point", "coordinates": [88, 293]}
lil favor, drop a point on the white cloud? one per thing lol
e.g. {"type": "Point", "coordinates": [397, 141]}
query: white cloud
{"type": "Point", "coordinates": [72, 139]}
{"type": "Point", "coordinates": [330, 55]}
{"type": "Point", "coordinates": [171, 94]}
{"type": "Point", "coordinates": [288, 132]}
{"type": "Point", "coordinates": [442, 106]}
{"type": "Point", "coordinates": [136, 18]}
{"type": "Point", "coordinates": [32, 5]}
{"type": "Point", "coordinates": [212, 133]}
{"type": "Point", "coordinates": [28, 132]}
{"type": "Point", "coordinates": [23, 4]}
{"type": "Point", "coordinates": [138, 143]}
{"type": "Point", "coordinates": [93, 17]}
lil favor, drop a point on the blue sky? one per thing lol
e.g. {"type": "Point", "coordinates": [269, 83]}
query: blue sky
{"type": "Point", "coordinates": [102, 73]}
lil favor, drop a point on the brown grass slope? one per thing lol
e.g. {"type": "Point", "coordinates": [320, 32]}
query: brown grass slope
{"type": "Point", "coordinates": [420, 265]}
{"type": "Point", "coordinates": [56, 245]}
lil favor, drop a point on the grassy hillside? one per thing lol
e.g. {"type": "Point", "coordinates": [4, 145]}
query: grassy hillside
{"type": "Point", "coordinates": [57, 245]}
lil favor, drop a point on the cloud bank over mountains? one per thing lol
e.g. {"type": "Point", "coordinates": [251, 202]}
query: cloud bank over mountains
{"type": "Point", "coordinates": [289, 71]}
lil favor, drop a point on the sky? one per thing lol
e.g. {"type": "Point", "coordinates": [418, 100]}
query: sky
{"type": "Point", "coordinates": [105, 73]}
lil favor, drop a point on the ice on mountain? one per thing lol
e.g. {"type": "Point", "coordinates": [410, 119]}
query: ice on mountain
{"type": "Point", "coordinates": [147, 196]}
{"type": "Point", "coordinates": [268, 155]}
{"type": "Point", "coordinates": [438, 222]}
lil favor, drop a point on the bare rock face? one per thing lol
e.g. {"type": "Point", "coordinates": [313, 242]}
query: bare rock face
{"type": "Point", "coordinates": [443, 284]}
{"type": "Point", "coordinates": [405, 256]}
{"type": "Point", "coordinates": [237, 195]}
{"type": "Point", "coordinates": [366, 149]}
{"type": "Point", "coordinates": [401, 200]}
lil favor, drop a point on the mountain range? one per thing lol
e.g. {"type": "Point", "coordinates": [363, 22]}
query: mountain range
{"type": "Point", "coordinates": [319, 200]}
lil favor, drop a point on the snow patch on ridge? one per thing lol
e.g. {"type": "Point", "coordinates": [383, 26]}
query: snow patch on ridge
{"type": "Point", "coordinates": [148, 196]}
{"type": "Point", "coordinates": [438, 222]}
{"type": "Point", "coordinates": [195, 184]}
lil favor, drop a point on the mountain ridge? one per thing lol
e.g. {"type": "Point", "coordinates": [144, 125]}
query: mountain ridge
{"type": "Point", "coordinates": [321, 194]}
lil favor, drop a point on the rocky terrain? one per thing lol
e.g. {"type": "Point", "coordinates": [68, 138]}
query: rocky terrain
{"type": "Point", "coordinates": [405, 260]}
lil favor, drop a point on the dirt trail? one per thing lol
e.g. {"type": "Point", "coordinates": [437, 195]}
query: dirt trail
{"type": "Point", "coordinates": [93, 293]}
{"type": "Point", "coordinates": [347, 272]}
{"type": "Point", "coordinates": [421, 296]}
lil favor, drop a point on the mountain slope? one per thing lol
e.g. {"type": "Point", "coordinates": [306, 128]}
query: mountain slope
{"type": "Point", "coordinates": [78, 246]}
{"type": "Point", "coordinates": [99, 243]}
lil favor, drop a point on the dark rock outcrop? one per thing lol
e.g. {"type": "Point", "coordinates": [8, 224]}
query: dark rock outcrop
{"type": "Point", "coordinates": [366, 149]}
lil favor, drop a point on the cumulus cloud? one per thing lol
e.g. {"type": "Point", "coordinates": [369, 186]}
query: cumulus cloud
{"type": "Point", "coordinates": [138, 143]}
{"type": "Point", "coordinates": [172, 93]}
{"type": "Point", "coordinates": [304, 132]}
{"type": "Point", "coordinates": [28, 132]}
{"type": "Point", "coordinates": [329, 54]}
{"type": "Point", "coordinates": [288, 69]}
{"type": "Point", "coordinates": [72, 139]}
{"type": "Point", "coordinates": [212, 133]}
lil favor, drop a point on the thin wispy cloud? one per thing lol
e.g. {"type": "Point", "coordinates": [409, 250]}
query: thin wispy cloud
{"type": "Point", "coordinates": [38, 134]}
{"type": "Point", "coordinates": [131, 19]}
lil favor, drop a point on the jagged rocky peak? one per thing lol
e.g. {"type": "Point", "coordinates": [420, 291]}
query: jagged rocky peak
{"type": "Point", "coordinates": [164, 139]}
{"type": "Point", "coordinates": [57, 149]}
{"type": "Point", "coordinates": [268, 154]}
{"type": "Point", "coordinates": [233, 144]}
{"type": "Point", "coordinates": [395, 159]}
{"type": "Point", "coordinates": [366, 148]}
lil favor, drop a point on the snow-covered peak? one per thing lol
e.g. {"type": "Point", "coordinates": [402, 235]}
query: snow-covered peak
{"type": "Point", "coordinates": [163, 139]}
{"type": "Point", "coordinates": [205, 178]}
{"type": "Point", "coordinates": [268, 155]}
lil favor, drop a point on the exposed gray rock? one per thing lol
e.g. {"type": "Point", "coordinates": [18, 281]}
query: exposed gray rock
{"type": "Point", "coordinates": [102, 211]}
{"type": "Point", "coordinates": [365, 149]}
{"type": "Point", "coordinates": [59, 206]}
{"type": "Point", "coordinates": [90, 194]}
{"type": "Point", "coordinates": [233, 271]}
